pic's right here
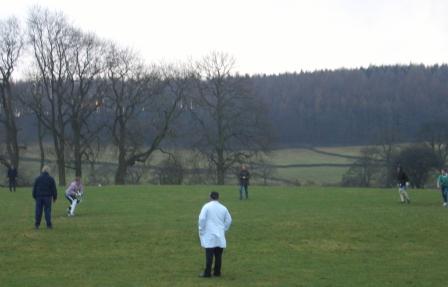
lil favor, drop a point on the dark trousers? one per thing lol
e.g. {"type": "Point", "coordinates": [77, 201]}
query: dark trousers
{"type": "Point", "coordinates": [209, 254]}
{"type": "Point", "coordinates": [43, 204]}
{"type": "Point", "coordinates": [70, 199]}
{"type": "Point", "coordinates": [12, 184]}
{"type": "Point", "coordinates": [246, 190]}
{"type": "Point", "coordinates": [444, 193]}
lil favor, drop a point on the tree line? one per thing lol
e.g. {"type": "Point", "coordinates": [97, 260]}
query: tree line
{"type": "Point", "coordinates": [354, 106]}
{"type": "Point", "coordinates": [85, 93]}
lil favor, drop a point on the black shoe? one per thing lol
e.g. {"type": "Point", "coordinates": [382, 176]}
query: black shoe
{"type": "Point", "coordinates": [203, 275]}
{"type": "Point", "coordinates": [36, 227]}
{"type": "Point", "coordinates": [49, 227]}
{"type": "Point", "coordinates": [217, 274]}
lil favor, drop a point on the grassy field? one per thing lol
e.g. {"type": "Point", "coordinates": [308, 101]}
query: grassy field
{"type": "Point", "coordinates": [147, 236]}
{"type": "Point", "coordinates": [319, 175]}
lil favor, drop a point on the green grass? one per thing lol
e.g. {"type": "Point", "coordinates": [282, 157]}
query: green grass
{"type": "Point", "coordinates": [147, 236]}
{"type": "Point", "coordinates": [306, 156]}
{"type": "Point", "coordinates": [310, 176]}
{"type": "Point", "coordinates": [323, 175]}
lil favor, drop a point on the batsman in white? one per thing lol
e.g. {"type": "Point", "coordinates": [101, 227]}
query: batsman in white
{"type": "Point", "coordinates": [74, 194]}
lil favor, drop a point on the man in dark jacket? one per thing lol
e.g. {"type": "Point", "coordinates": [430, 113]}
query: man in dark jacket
{"type": "Point", "coordinates": [244, 181]}
{"type": "Point", "coordinates": [44, 191]}
{"type": "Point", "coordinates": [12, 178]}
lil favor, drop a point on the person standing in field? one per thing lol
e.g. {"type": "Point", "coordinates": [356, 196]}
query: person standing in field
{"type": "Point", "coordinates": [73, 194]}
{"type": "Point", "coordinates": [44, 192]}
{"type": "Point", "coordinates": [214, 221]}
{"type": "Point", "coordinates": [12, 178]}
{"type": "Point", "coordinates": [244, 181]}
{"type": "Point", "coordinates": [442, 184]}
{"type": "Point", "coordinates": [403, 183]}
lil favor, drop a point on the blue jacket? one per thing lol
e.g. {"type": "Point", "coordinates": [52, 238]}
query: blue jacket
{"type": "Point", "coordinates": [44, 185]}
{"type": "Point", "coordinates": [244, 177]}
{"type": "Point", "coordinates": [12, 173]}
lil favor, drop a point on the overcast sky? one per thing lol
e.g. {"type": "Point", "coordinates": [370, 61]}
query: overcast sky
{"type": "Point", "coordinates": [265, 36]}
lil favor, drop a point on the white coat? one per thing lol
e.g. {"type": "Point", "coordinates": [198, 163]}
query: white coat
{"type": "Point", "coordinates": [214, 221]}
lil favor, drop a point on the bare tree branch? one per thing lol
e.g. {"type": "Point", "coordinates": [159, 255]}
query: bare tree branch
{"type": "Point", "coordinates": [11, 44]}
{"type": "Point", "coordinates": [230, 124]}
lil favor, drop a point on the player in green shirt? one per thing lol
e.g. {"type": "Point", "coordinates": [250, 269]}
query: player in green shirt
{"type": "Point", "coordinates": [442, 183]}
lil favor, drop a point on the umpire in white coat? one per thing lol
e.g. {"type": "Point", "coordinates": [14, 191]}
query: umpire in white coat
{"type": "Point", "coordinates": [214, 221]}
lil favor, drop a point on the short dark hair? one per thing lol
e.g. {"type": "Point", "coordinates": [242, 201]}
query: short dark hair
{"type": "Point", "coordinates": [214, 195]}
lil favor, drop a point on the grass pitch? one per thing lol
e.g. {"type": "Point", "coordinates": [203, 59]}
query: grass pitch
{"type": "Point", "coordinates": [147, 236]}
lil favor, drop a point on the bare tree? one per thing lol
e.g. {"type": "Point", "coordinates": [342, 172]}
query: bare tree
{"type": "Point", "coordinates": [11, 44]}
{"type": "Point", "coordinates": [33, 97]}
{"type": "Point", "coordinates": [263, 168]}
{"type": "Point", "coordinates": [435, 135]}
{"type": "Point", "coordinates": [143, 105]}
{"type": "Point", "coordinates": [230, 123]}
{"type": "Point", "coordinates": [85, 94]}
{"type": "Point", "coordinates": [51, 37]}
{"type": "Point", "coordinates": [364, 170]}
{"type": "Point", "coordinates": [171, 170]}
{"type": "Point", "coordinates": [387, 139]}
{"type": "Point", "coordinates": [418, 160]}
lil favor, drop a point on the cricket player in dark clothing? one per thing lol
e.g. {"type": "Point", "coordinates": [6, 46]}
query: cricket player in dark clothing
{"type": "Point", "coordinates": [244, 181]}
{"type": "Point", "coordinates": [12, 178]}
{"type": "Point", "coordinates": [44, 193]}
{"type": "Point", "coordinates": [403, 183]}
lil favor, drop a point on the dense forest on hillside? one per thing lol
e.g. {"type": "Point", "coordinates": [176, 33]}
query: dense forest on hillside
{"type": "Point", "coordinates": [344, 107]}
{"type": "Point", "coordinates": [375, 106]}
{"type": "Point", "coordinates": [353, 106]}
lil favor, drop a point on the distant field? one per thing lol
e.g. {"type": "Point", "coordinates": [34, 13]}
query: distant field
{"type": "Point", "coordinates": [322, 175]}
{"type": "Point", "coordinates": [306, 156]}
{"type": "Point", "coordinates": [282, 236]}
{"type": "Point", "coordinates": [314, 175]}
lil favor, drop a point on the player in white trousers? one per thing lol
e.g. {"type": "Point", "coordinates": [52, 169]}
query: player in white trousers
{"type": "Point", "coordinates": [403, 183]}
{"type": "Point", "coordinates": [73, 194]}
